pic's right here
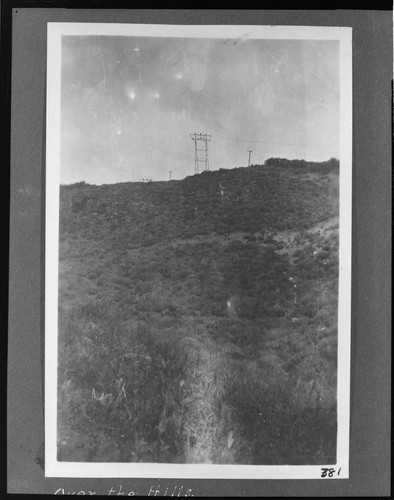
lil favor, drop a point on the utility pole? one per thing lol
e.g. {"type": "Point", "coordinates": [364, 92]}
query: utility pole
{"type": "Point", "coordinates": [170, 172]}
{"type": "Point", "coordinates": [250, 152]}
{"type": "Point", "coordinates": [198, 158]}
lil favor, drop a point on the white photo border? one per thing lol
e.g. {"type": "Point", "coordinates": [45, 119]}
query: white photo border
{"type": "Point", "coordinates": [55, 468]}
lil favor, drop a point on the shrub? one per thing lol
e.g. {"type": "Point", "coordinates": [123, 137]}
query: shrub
{"type": "Point", "coordinates": [121, 388]}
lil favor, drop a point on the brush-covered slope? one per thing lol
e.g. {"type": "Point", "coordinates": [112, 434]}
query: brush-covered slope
{"type": "Point", "coordinates": [212, 301]}
{"type": "Point", "coordinates": [254, 199]}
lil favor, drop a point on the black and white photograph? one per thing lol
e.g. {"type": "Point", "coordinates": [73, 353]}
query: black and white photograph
{"type": "Point", "coordinates": [198, 250]}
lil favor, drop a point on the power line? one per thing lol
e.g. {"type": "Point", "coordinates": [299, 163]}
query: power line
{"type": "Point", "coordinates": [273, 143]}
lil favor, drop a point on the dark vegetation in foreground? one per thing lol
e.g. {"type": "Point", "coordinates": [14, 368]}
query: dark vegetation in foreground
{"type": "Point", "coordinates": [198, 318]}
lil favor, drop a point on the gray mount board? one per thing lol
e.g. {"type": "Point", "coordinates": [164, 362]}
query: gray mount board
{"type": "Point", "coordinates": [370, 367]}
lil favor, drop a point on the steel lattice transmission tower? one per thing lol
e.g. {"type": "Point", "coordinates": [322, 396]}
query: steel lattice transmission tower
{"type": "Point", "coordinates": [200, 154]}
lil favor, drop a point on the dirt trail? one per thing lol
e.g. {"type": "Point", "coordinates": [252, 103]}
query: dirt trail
{"type": "Point", "coordinates": [287, 237]}
{"type": "Point", "coordinates": [210, 431]}
{"type": "Point", "coordinates": [289, 234]}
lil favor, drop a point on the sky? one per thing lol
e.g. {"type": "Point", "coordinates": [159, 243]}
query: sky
{"type": "Point", "coordinates": [129, 104]}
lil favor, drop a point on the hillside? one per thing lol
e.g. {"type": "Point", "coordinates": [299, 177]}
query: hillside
{"type": "Point", "coordinates": [203, 313]}
{"type": "Point", "coordinates": [254, 199]}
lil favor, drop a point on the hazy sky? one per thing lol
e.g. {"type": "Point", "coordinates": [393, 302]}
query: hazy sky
{"type": "Point", "coordinates": [130, 103]}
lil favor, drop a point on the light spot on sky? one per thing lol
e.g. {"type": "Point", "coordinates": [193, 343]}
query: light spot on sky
{"type": "Point", "coordinates": [279, 98]}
